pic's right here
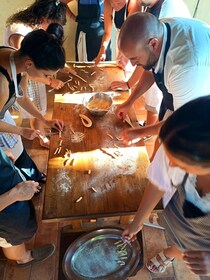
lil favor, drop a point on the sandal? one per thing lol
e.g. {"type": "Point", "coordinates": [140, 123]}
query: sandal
{"type": "Point", "coordinates": [39, 255]}
{"type": "Point", "coordinates": [152, 221]}
{"type": "Point", "coordinates": [159, 263]}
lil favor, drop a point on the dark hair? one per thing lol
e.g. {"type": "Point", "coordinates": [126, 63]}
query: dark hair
{"type": "Point", "coordinates": [57, 31]}
{"type": "Point", "coordinates": [53, 10]}
{"type": "Point", "coordinates": [186, 133]}
{"type": "Point", "coordinates": [44, 49]}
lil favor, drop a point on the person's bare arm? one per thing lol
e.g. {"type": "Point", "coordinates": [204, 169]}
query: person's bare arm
{"type": "Point", "coordinates": [69, 13]}
{"type": "Point", "coordinates": [52, 82]}
{"type": "Point", "coordinates": [133, 7]}
{"type": "Point", "coordinates": [15, 40]}
{"type": "Point", "coordinates": [136, 76]}
{"type": "Point", "coordinates": [151, 197]}
{"type": "Point", "coordinates": [28, 105]}
{"type": "Point", "coordinates": [123, 85]}
{"type": "Point", "coordinates": [6, 127]}
{"type": "Point", "coordinates": [107, 32]}
{"type": "Point", "coordinates": [22, 191]}
{"type": "Point", "coordinates": [145, 82]}
{"type": "Point", "coordinates": [143, 85]}
{"type": "Point", "coordinates": [128, 136]}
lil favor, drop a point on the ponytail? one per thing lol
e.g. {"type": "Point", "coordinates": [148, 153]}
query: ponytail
{"type": "Point", "coordinates": [45, 48]}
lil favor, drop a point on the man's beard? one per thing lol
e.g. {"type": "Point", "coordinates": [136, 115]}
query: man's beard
{"type": "Point", "coordinates": [150, 63]}
{"type": "Point", "coordinates": [146, 67]}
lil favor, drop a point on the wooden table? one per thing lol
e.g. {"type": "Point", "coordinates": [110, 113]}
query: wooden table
{"type": "Point", "coordinates": [101, 177]}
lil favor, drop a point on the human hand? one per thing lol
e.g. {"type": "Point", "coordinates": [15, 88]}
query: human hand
{"type": "Point", "coordinates": [119, 85]}
{"type": "Point", "coordinates": [10, 156]}
{"type": "Point", "coordinates": [122, 110]}
{"type": "Point", "coordinates": [57, 84]}
{"type": "Point", "coordinates": [198, 261]}
{"type": "Point", "coordinates": [68, 70]}
{"type": "Point", "coordinates": [100, 57]}
{"type": "Point", "coordinates": [130, 136]}
{"type": "Point", "coordinates": [29, 133]}
{"type": "Point", "coordinates": [25, 190]}
{"type": "Point", "coordinates": [122, 61]}
{"type": "Point", "coordinates": [55, 123]}
{"type": "Point", "coordinates": [129, 233]}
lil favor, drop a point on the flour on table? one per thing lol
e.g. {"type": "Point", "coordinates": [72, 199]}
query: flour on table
{"type": "Point", "coordinates": [62, 182]}
{"type": "Point", "coordinates": [125, 164]}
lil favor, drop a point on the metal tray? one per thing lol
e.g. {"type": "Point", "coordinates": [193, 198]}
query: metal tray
{"type": "Point", "coordinates": [98, 255]}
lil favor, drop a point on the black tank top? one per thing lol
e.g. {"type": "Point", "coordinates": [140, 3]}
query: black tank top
{"type": "Point", "coordinates": [12, 96]}
{"type": "Point", "coordinates": [120, 16]}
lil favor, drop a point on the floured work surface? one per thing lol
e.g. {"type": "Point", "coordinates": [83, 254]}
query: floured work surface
{"type": "Point", "coordinates": [101, 255]}
{"type": "Point", "coordinates": [90, 78]}
{"type": "Point", "coordinates": [97, 176]}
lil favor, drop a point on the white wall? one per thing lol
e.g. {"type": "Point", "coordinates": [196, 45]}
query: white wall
{"type": "Point", "coordinates": [199, 9]}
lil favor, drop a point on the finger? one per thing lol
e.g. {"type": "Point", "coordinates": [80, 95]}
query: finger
{"type": "Point", "coordinates": [192, 254]}
{"type": "Point", "coordinates": [199, 272]}
{"type": "Point", "coordinates": [120, 115]}
{"type": "Point", "coordinates": [133, 238]}
{"type": "Point", "coordinates": [125, 237]}
{"type": "Point", "coordinates": [37, 189]}
{"type": "Point", "coordinates": [62, 125]}
{"type": "Point", "coordinates": [37, 132]}
{"type": "Point", "coordinates": [190, 260]}
{"type": "Point", "coordinates": [195, 266]}
{"type": "Point", "coordinates": [58, 125]}
{"type": "Point", "coordinates": [133, 141]}
{"type": "Point", "coordinates": [31, 183]}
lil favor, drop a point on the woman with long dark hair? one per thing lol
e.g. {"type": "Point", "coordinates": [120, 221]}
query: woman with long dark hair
{"type": "Point", "coordinates": [40, 56]}
{"type": "Point", "coordinates": [180, 174]}
{"type": "Point", "coordinates": [37, 16]}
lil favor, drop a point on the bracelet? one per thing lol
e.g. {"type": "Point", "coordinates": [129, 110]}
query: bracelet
{"type": "Point", "coordinates": [50, 81]}
{"type": "Point", "coordinates": [128, 85]}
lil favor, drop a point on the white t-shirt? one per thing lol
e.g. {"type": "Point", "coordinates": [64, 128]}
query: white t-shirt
{"type": "Point", "coordinates": [169, 8]}
{"type": "Point", "coordinates": [161, 174]}
{"type": "Point", "coordinates": [15, 28]}
{"type": "Point", "coordinates": [165, 178]}
{"type": "Point", "coordinates": [174, 8]}
{"type": "Point", "coordinates": [187, 65]}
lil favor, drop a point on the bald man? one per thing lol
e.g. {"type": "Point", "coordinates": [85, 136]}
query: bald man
{"type": "Point", "coordinates": [177, 53]}
{"type": "Point", "coordinates": [153, 97]}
